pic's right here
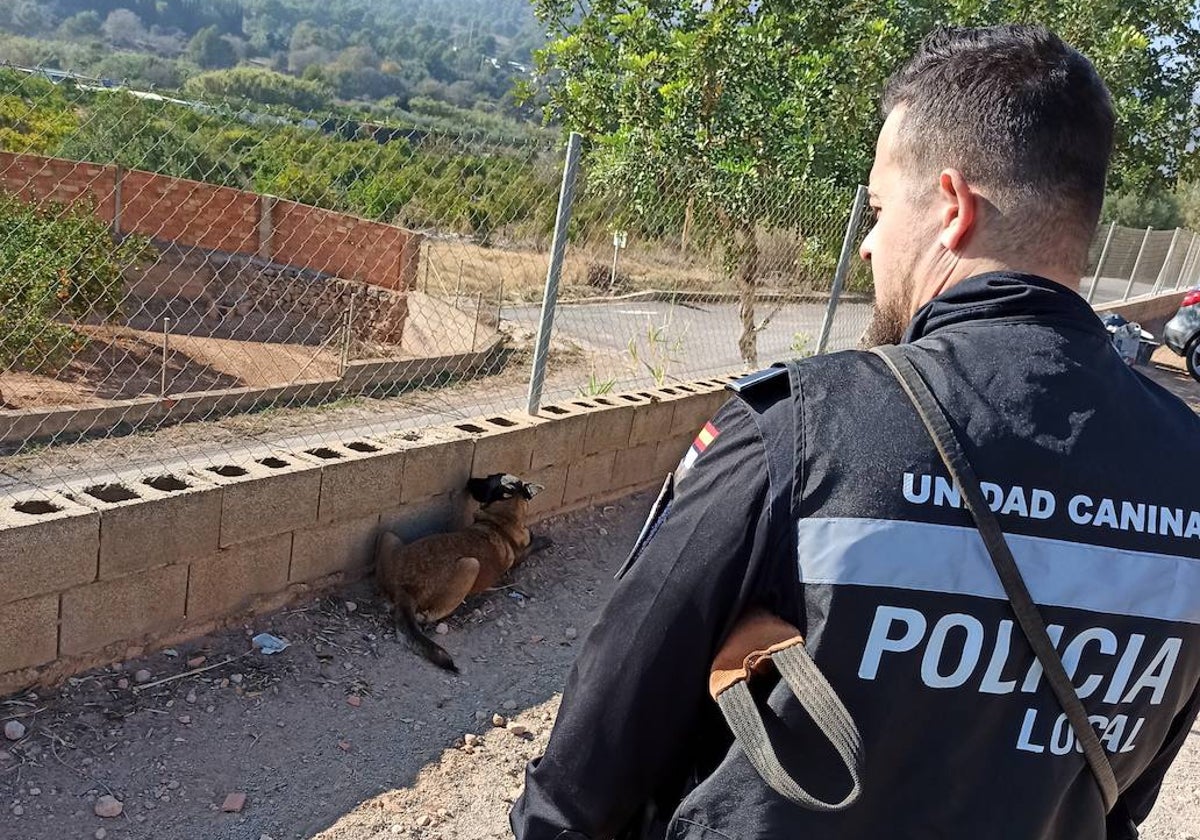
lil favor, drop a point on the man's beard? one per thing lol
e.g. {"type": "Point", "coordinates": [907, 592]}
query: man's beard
{"type": "Point", "coordinates": [889, 320]}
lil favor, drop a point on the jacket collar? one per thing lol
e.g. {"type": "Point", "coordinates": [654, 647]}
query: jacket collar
{"type": "Point", "coordinates": [1007, 296]}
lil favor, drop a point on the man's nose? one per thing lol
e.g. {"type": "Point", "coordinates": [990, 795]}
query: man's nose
{"type": "Point", "coordinates": [864, 250]}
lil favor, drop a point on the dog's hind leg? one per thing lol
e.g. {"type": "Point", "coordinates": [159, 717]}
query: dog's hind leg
{"type": "Point", "coordinates": [457, 587]}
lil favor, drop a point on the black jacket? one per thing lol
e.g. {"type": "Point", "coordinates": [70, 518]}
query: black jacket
{"type": "Point", "coordinates": [1091, 469]}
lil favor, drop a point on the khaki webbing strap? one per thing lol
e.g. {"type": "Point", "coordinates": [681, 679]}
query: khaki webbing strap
{"type": "Point", "coordinates": [933, 416]}
{"type": "Point", "coordinates": [758, 641]}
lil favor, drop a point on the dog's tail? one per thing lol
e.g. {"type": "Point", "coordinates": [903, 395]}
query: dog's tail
{"type": "Point", "coordinates": [422, 645]}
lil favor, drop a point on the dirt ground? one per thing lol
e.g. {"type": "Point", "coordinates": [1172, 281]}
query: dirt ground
{"type": "Point", "coordinates": [345, 735]}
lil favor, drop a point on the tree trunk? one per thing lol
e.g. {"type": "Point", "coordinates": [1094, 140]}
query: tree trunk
{"type": "Point", "coordinates": [747, 276]}
{"type": "Point", "coordinates": [687, 225]}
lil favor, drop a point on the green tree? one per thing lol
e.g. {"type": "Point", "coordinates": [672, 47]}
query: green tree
{"type": "Point", "coordinates": [210, 50]}
{"type": "Point", "coordinates": [82, 25]}
{"type": "Point", "coordinates": [743, 109]}
{"type": "Point", "coordinates": [258, 85]}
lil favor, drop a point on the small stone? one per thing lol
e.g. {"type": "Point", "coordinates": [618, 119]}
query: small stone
{"type": "Point", "coordinates": [234, 803]}
{"type": "Point", "coordinates": [171, 652]}
{"type": "Point", "coordinates": [173, 785]}
{"type": "Point", "coordinates": [236, 679]}
{"type": "Point", "coordinates": [571, 633]}
{"type": "Point", "coordinates": [444, 814]}
{"type": "Point", "coordinates": [424, 820]}
{"type": "Point", "coordinates": [351, 606]}
{"type": "Point", "coordinates": [396, 828]}
{"type": "Point", "coordinates": [35, 791]}
{"type": "Point", "coordinates": [518, 730]}
{"type": "Point", "coordinates": [100, 834]}
{"type": "Point", "coordinates": [210, 709]}
{"type": "Point", "coordinates": [509, 705]}
{"type": "Point", "coordinates": [108, 807]}
{"type": "Point", "coordinates": [122, 683]}
{"type": "Point", "coordinates": [354, 700]}
{"type": "Point", "coordinates": [191, 697]}
{"type": "Point", "coordinates": [470, 739]}
{"type": "Point", "coordinates": [344, 746]}
{"type": "Point", "coordinates": [14, 730]}
{"type": "Point", "coordinates": [498, 720]}
{"type": "Point", "coordinates": [196, 661]}
{"type": "Point", "coordinates": [141, 676]}
{"type": "Point", "coordinates": [480, 717]}
{"type": "Point", "coordinates": [442, 629]}
{"type": "Point", "coordinates": [184, 719]}
{"type": "Point", "coordinates": [17, 810]}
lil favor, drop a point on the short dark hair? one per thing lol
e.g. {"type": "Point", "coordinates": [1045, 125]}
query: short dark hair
{"type": "Point", "coordinates": [1020, 113]}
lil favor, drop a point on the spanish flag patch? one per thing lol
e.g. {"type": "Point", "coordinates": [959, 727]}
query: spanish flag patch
{"type": "Point", "coordinates": [703, 440]}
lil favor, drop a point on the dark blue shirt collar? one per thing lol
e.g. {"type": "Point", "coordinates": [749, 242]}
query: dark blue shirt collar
{"type": "Point", "coordinates": [1004, 295]}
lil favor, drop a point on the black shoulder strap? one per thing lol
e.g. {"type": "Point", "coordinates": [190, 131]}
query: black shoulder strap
{"type": "Point", "coordinates": [1028, 617]}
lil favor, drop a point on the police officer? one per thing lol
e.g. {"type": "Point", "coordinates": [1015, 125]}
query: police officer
{"type": "Point", "coordinates": [827, 504]}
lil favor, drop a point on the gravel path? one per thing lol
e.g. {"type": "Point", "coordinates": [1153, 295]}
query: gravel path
{"type": "Point", "coordinates": [344, 736]}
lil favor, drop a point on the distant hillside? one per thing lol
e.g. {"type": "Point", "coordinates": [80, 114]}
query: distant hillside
{"type": "Point", "coordinates": [392, 54]}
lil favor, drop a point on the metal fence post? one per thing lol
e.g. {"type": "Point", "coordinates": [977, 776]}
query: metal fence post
{"type": "Point", "coordinates": [1185, 270]}
{"type": "Point", "coordinates": [1136, 262]}
{"type": "Point", "coordinates": [1091, 294]}
{"type": "Point", "coordinates": [843, 266]}
{"type": "Point", "coordinates": [1162, 272]}
{"type": "Point", "coordinates": [553, 273]}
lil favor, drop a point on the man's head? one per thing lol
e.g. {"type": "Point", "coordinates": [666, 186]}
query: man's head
{"type": "Point", "coordinates": [992, 156]}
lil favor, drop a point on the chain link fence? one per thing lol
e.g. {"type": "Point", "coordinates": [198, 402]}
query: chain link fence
{"type": "Point", "coordinates": [184, 283]}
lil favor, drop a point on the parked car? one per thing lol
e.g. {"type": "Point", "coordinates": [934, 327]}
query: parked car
{"type": "Point", "coordinates": [1182, 333]}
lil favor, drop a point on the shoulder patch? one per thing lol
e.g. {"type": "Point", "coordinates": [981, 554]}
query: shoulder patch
{"type": "Point", "coordinates": [759, 380]}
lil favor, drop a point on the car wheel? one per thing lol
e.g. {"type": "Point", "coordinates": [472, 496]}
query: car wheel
{"type": "Point", "coordinates": [1192, 357]}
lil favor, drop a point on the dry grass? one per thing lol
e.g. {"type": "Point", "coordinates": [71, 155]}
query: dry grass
{"type": "Point", "coordinates": [462, 268]}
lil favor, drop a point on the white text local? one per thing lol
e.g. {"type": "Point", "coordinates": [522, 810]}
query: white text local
{"type": "Point", "coordinates": [1081, 509]}
{"type": "Point", "coordinates": [956, 650]}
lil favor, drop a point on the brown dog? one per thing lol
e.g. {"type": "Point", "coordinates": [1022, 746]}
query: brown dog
{"type": "Point", "coordinates": [433, 575]}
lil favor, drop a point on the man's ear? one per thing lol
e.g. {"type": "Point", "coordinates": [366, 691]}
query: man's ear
{"type": "Point", "coordinates": [958, 209]}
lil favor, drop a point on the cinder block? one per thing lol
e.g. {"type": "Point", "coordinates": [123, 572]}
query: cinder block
{"type": "Point", "coordinates": [691, 413]}
{"type": "Point", "coordinates": [559, 440]}
{"type": "Point", "coordinates": [121, 609]}
{"type": "Point", "coordinates": [651, 420]}
{"type": "Point", "coordinates": [153, 521]}
{"type": "Point", "coordinates": [636, 466]}
{"type": "Point", "coordinates": [589, 476]}
{"type": "Point", "coordinates": [670, 452]}
{"type": "Point", "coordinates": [47, 543]}
{"type": "Point", "coordinates": [333, 547]}
{"type": "Point", "coordinates": [227, 581]}
{"type": "Point", "coordinates": [554, 485]}
{"type": "Point", "coordinates": [438, 461]}
{"type": "Point", "coordinates": [435, 515]}
{"type": "Point", "coordinates": [503, 444]}
{"type": "Point", "coordinates": [266, 496]}
{"type": "Point", "coordinates": [608, 427]}
{"type": "Point", "coordinates": [358, 478]}
{"type": "Point", "coordinates": [29, 629]}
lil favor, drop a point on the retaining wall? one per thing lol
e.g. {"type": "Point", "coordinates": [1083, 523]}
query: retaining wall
{"type": "Point", "coordinates": [95, 573]}
{"type": "Point", "coordinates": [220, 218]}
{"type": "Point", "coordinates": [1151, 311]}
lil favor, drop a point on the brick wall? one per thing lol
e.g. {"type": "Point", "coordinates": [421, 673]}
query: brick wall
{"type": "Point", "coordinates": [189, 212]}
{"type": "Point", "coordinates": [38, 179]}
{"type": "Point", "coordinates": [338, 244]}
{"type": "Point", "coordinates": [92, 574]}
{"type": "Point", "coordinates": [219, 218]}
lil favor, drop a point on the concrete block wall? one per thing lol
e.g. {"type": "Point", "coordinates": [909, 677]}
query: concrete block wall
{"type": "Point", "coordinates": [91, 573]}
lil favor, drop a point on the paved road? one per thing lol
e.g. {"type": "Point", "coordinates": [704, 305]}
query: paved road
{"type": "Point", "coordinates": [705, 334]}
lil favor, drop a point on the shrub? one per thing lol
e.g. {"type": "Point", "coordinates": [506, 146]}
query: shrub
{"type": "Point", "coordinates": [56, 265]}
